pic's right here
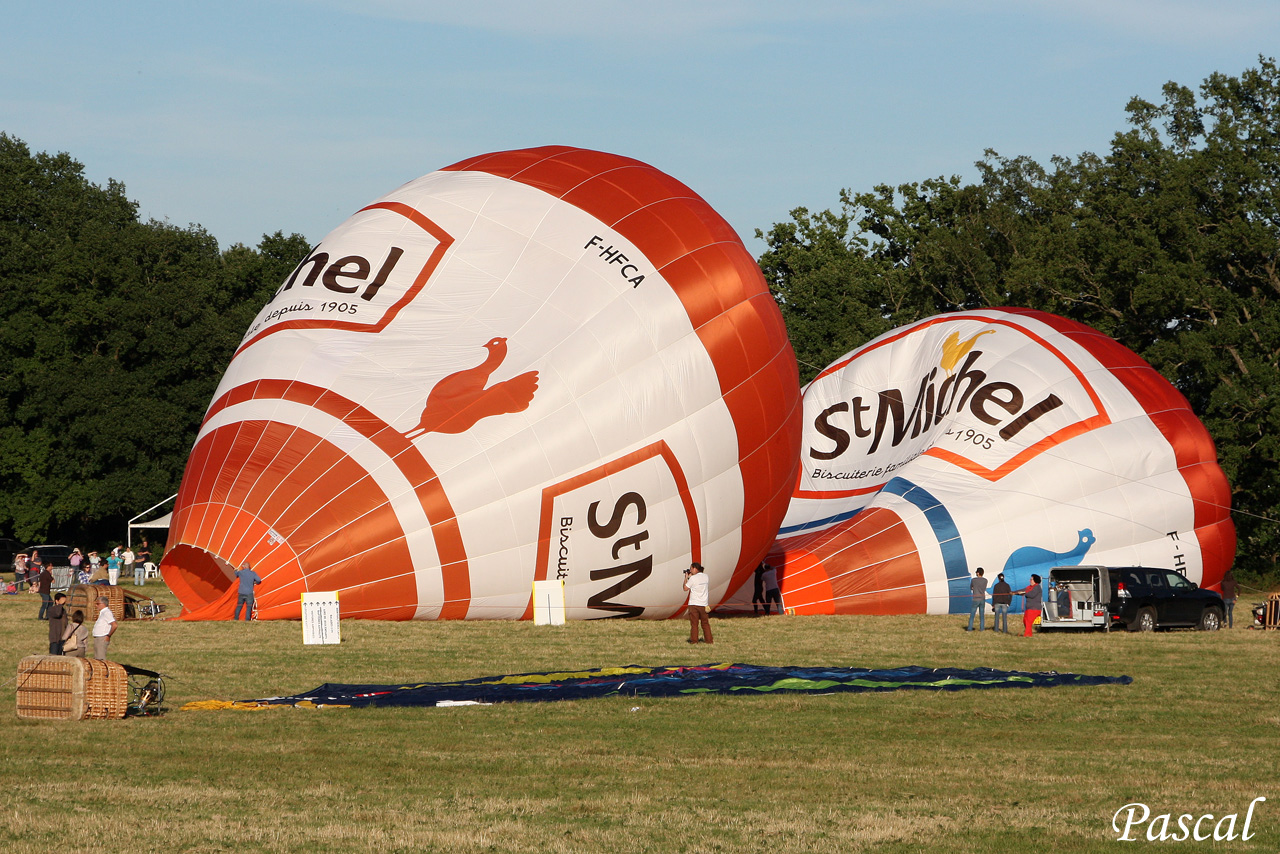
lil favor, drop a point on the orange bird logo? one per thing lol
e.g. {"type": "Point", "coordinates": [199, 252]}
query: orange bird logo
{"type": "Point", "coordinates": [461, 399]}
{"type": "Point", "coordinates": [953, 349]}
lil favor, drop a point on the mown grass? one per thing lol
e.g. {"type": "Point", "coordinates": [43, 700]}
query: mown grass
{"type": "Point", "coordinates": [997, 770]}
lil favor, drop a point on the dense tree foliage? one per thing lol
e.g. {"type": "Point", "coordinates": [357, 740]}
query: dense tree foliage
{"type": "Point", "coordinates": [1169, 242]}
{"type": "Point", "coordinates": [114, 334]}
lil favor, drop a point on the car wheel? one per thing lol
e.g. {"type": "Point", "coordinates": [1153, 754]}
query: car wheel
{"type": "Point", "coordinates": [1144, 621]}
{"type": "Point", "coordinates": [1210, 620]}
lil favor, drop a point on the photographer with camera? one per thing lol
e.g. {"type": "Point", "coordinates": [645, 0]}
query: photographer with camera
{"type": "Point", "coordinates": [695, 581]}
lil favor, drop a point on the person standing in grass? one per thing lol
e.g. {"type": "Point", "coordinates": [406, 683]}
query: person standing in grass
{"type": "Point", "coordinates": [76, 637]}
{"type": "Point", "coordinates": [695, 581]}
{"type": "Point", "coordinates": [244, 596]}
{"type": "Point", "coordinates": [139, 572]}
{"type": "Point", "coordinates": [113, 568]}
{"type": "Point", "coordinates": [771, 592]}
{"type": "Point", "coordinates": [1001, 599]}
{"type": "Point", "coordinates": [34, 567]}
{"type": "Point", "coordinates": [1230, 590]}
{"type": "Point", "coordinates": [57, 623]}
{"type": "Point", "coordinates": [1035, 596]}
{"type": "Point", "coordinates": [103, 629]}
{"type": "Point", "coordinates": [44, 583]}
{"type": "Point", "coordinates": [978, 606]}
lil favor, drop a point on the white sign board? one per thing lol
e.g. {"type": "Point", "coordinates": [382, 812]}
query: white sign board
{"type": "Point", "coordinates": [548, 603]}
{"type": "Point", "coordinates": [320, 622]}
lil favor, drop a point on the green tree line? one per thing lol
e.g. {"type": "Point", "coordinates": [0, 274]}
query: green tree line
{"type": "Point", "coordinates": [114, 334]}
{"type": "Point", "coordinates": [1168, 242]}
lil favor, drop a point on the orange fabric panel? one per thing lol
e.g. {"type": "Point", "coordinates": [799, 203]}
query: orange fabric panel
{"type": "Point", "coordinates": [870, 563]}
{"type": "Point", "coordinates": [304, 510]}
{"type": "Point", "coordinates": [194, 576]}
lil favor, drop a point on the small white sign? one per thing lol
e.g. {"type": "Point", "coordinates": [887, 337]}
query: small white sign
{"type": "Point", "coordinates": [548, 603]}
{"type": "Point", "coordinates": [320, 621]}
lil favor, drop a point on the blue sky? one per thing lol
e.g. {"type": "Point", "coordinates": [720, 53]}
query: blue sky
{"type": "Point", "coordinates": [252, 117]}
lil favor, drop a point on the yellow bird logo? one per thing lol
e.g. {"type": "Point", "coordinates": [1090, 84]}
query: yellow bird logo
{"type": "Point", "coordinates": [953, 349]}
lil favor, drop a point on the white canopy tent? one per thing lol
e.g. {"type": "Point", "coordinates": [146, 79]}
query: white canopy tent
{"type": "Point", "coordinates": [158, 522]}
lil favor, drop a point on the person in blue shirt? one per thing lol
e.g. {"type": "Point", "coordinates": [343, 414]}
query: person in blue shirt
{"type": "Point", "coordinates": [248, 580]}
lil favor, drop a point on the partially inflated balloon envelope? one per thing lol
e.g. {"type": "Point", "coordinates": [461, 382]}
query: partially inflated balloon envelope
{"type": "Point", "coordinates": [532, 365]}
{"type": "Point", "coordinates": [1005, 439]}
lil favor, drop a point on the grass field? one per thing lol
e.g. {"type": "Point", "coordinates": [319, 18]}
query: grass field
{"type": "Point", "coordinates": [996, 770]}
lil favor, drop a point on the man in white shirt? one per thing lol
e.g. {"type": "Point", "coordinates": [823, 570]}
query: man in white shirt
{"type": "Point", "coordinates": [695, 582]}
{"type": "Point", "coordinates": [103, 629]}
{"type": "Point", "coordinates": [129, 557]}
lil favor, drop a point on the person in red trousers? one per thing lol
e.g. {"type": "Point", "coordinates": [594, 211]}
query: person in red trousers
{"type": "Point", "coordinates": [1035, 599]}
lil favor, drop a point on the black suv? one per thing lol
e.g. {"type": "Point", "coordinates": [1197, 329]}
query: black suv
{"type": "Point", "coordinates": [1147, 598]}
{"type": "Point", "coordinates": [9, 549]}
{"type": "Point", "coordinates": [52, 556]}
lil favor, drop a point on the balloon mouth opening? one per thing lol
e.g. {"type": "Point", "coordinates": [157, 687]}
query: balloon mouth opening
{"type": "Point", "coordinates": [197, 577]}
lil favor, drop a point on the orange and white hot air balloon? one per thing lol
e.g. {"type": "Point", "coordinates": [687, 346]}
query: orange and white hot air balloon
{"type": "Point", "coordinates": [1007, 439]}
{"type": "Point", "coordinates": [542, 364]}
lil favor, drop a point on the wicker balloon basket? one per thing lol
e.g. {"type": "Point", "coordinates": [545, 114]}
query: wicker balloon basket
{"type": "Point", "coordinates": [84, 597]}
{"type": "Point", "coordinates": [1271, 615]}
{"type": "Point", "coordinates": [62, 688]}
{"type": "Point", "coordinates": [124, 604]}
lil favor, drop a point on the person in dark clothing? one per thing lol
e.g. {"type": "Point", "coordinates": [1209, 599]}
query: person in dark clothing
{"type": "Point", "coordinates": [44, 582]}
{"type": "Point", "coordinates": [1064, 603]}
{"type": "Point", "coordinates": [1230, 590]}
{"type": "Point", "coordinates": [57, 623]}
{"type": "Point", "coordinates": [772, 594]}
{"type": "Point", "coordinates": [1001, 598]}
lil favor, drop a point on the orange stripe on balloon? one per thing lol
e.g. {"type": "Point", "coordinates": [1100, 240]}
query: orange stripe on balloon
{"type": "Point", "coordinates": [843, 570]}
{"type": "Point", "coordinates": [406, 457]}
{"type": "Point", "coordinates": [711, 272]}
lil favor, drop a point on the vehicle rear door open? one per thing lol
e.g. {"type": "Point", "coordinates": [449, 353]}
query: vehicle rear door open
{"type": "Point", "coordinates": [1089, 590]}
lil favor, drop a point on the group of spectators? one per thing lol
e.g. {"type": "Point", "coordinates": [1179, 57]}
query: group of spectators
{"type": "Point", "coordinates": [1001, 598]}
{"type": "Point", "coordinates": [68, 633]}
{"type": "Point", "coordinates": [29, 570]}
{"type": "Point", "coordinates": [1056, 598]}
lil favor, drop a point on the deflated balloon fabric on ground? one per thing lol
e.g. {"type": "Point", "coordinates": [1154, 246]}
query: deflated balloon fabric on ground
{"type": "Point", "coordinates": [640, 681]}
